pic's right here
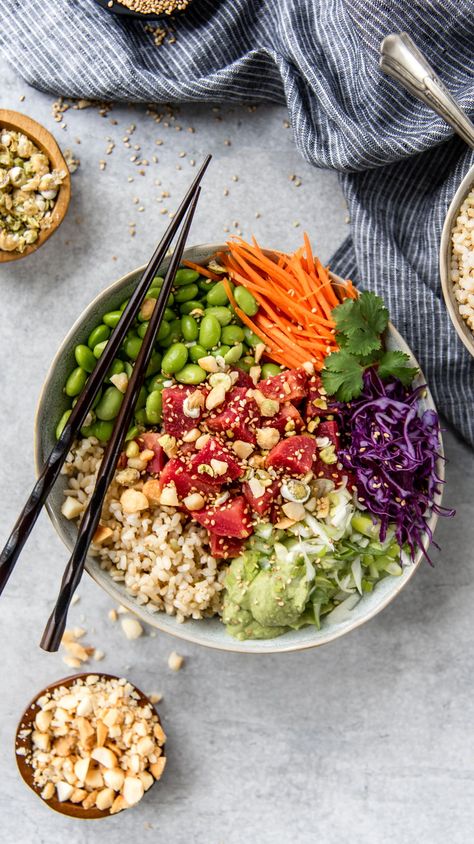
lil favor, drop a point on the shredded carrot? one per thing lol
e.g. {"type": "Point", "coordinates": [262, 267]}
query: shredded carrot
{"type": "Point", "coordinates": [295, 295]}
{"type": "Point", "coordinates": [202, 270]}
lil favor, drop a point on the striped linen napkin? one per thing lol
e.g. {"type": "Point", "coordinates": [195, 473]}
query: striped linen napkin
{"type": "Point", "coordinates": [399, 164]}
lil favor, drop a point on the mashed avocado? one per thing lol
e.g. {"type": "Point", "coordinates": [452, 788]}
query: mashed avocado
{"type": "Point", "coordinates": [263, 603]}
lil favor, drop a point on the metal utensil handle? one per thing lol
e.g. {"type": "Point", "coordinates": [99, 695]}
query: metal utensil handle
{"type": "Point", "coordinates": [402, 60]}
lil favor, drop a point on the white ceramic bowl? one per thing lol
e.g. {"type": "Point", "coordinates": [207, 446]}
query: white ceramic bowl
{"type": "Point", "coordinates": [461, 326]}
{"type": "Point", "coordinates": [208, 632]}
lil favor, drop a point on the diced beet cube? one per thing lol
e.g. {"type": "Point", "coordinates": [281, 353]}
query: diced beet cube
{"type": "Point", "coordinates": [239, 415]}
{"type": "Point", "coordinates": [244, 380]}
{"type": "Point", "coordinates": [150, 441]}
{"type": "Point", "coordinates": [263, 503]}
{"type": "Point", "coordinates": [288, 386]}
{"type": "Point", "coordinates": [230, 519]}
{"type": "Point", "coordinates": [175, 421]}
{"type": "Point", "coordinates": [294, 455]}
{"type": "Point", "coordinates": [225, 547]}
{"type": "Point", "coordinates": [176, 471]}
{"type": "Point", "coordinates": [213, 450]}
{"type": "Point", "coordinates": [315, 399]}
{"type": "Point", "coordinates": [329, 429]}
{"type": "Point", "coordinates": [287, 413]}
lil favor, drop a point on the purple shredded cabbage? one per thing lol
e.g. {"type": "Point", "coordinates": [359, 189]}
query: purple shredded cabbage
{"type": "Point", "coordinates": [393, 451]}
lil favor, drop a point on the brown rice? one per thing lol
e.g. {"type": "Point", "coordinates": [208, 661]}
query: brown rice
{"type": "Point", "coordinates": [161, 557]}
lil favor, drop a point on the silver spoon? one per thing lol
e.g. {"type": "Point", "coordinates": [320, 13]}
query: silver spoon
{"type": "Point", "coordinates": [402, 60]}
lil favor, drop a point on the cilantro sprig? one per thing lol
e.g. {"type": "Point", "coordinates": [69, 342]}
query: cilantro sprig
{"type": "Point", "coordinates": [360, 324]}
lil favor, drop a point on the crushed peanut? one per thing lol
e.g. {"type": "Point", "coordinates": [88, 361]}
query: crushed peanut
{"type": "Point", "coordinates": [97, 743]}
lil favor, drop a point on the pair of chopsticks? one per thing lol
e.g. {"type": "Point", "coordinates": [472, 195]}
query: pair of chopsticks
{"type": "Point", "coordinates": [55, 627]}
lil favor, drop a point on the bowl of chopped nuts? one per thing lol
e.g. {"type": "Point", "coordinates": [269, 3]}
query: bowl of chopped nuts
{"type": "Point", "coordinates": [35, 185]}
{"type": "Point", "coordinates": [90, 745]}
{"type": "Point", "coordinates": [456, 261]}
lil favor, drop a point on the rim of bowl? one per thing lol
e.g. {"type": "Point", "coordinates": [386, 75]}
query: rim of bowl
{"type": "Point", "coordinates": [464, 333]}
{"type": "Point", "coordinates": [153, 619]}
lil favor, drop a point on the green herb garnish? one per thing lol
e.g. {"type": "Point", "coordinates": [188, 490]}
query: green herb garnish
{"type": "Point", "coordinates": [360, 324]}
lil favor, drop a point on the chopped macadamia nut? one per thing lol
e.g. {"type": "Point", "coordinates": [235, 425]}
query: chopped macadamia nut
{"type": "Point", "coordinates": [108, 758]}
{"type": "Point", "coordinates": [175, 661]}
{"type": "Point", "coordinates": [132, 628]}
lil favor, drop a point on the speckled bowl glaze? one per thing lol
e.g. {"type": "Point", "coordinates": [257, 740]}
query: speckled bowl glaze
{"type": "Point", "coordinates": [207, 632]}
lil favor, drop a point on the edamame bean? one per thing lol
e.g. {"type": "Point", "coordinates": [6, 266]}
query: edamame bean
{"type": "Point", "coordinates": [221, 313]}
{"type": "Point", "coordinates": [185, 294]}
{"type": "Point", "coordinates": [142, 397]}
{"type": "Point", "coordinates": [112, 318]}
{"type": "Point", "coordinates": [156, 383]}
{"type": "Point", "coordinates": [170, 301]}
{"type": "Point", "coordinates": [234, 354]}
{"type": "Point", "coordinates": [98, 335]}
{"type": "Point", "coordinates": [189, 328]}
{"type": "Point", "coordinates": [270, 369]}
{"type": "Point", "coordinates": [132, 346]}
{"type": "Point", "coordinates": [97, 351]}
{"type": "Point", "coordinates": [157, 281]}
{"type": "Point", "coordinates": [124, 305]}
{"type": "Point", "coordinates": [250, 338]}
{"type": "Point", "coordinates": [102, 430]}
{"type": "Point", "coordinates": [206, 284]}
{"type": "Point", "coordinates": [191, 374]}
{"type": "Point", "coordinates": [232, 334]}
{"type": "Point", "coordinates": [140, 416]}
{"type": "Point", "coordinates": [131, 433]}
{"type": "Point", "coordinates": [141, 330]}
{"type": "Point", "coordinates": [192, 305]}
{"type": "Point", "coordinates": [163, 331]}
{"type": "Point", "coordinates": [169, 315]}
{"type": "Point", "coordinates": [154, 364]}
{"type": "Point", "coordinates": [217, 296]}
{"type": "Point", "coordinates": [174, 358]}
{"type": "Point", "coordinates": [220, 351]}
{"type": "Point", "coordinates": [241, 364]}
{"type": "Point", "coordinates": [109, 404]}
{"type": "Point", "coordinates": [129, 368]}
{"type": "Point", "coordinates": [185, 276]}
{"type": "Point", "coordinates": [245, 300]}
{"type": "Point", "coordinates": [116, 368]}
{"type": "Point", "coordinates": [153, 407]}
{"type": "Point", "coordinates": [209, 331]}
{"type": "Point", "coordinates": [196, 352]}
{"type": "Point", "coordinates": [85, 358]}
{"type": "Point", "coordinates": [76, 382]}
{"type": "Point", "coordinates": [62, 422]}
{"type": "Point", "coordinates": [249, 360]}
{"type": "Point", "coordinates": [152, 293]}
{"type": "Point", "coordinates": [174, 335]}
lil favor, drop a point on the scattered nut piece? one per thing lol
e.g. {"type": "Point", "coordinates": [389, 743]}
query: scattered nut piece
{"type": "Point", "coordinates": [242, 449]}
{"type": "Point", "coordinates": [267, 437]}
{"type": "Point", "coordinates": [120, 380]}
{"type": "Point", "coordinates": [71, 508]}
{"type": "Point", "coordinates": [101, 535]}
{"type": "Point", "coordinates": [215, 397]}
{"type": "Point", "coordinates": [169, 496]}
{"type": "Point", "coordinates": [175, 662]}
{"type": "Point", "coordinates": [131, 627]}
{"type": "Point", "coordinates": [152, 490]}
{"type": "Point", "coordinates": [133, 501]}
{"type": "Point", "coordinates": [209, 364]}
{"type": "Point", "coordinates": [294, 510]}
{"type": "Point", "coordinates": [195, 501]}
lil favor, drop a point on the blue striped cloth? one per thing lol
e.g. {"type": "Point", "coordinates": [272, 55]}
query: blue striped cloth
{"type": "Point", "coordinates": [321, 58]}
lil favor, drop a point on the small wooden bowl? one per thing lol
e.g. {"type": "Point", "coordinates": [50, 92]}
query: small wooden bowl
{"type": "Point", "coordinates": [117, 9]}
{"type": "Point", "coordinates": [73, 810]}
{"type": "Point", "coordinates": [46, 143]}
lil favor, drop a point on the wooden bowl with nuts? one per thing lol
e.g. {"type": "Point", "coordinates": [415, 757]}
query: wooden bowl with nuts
{"type": "Point", "coordinates": [90, 745]}
{"type": "Point", "coordinates": [35, 186]}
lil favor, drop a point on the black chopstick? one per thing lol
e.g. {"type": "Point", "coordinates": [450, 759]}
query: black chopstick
{"type": "Point", "coordinates": [57, 621]}
{"type": "Point", "coordinates": [56, 458]}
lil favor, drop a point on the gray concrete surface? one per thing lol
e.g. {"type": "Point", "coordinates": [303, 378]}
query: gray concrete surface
{"type": "Point", "coordinates": [367, 740]}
